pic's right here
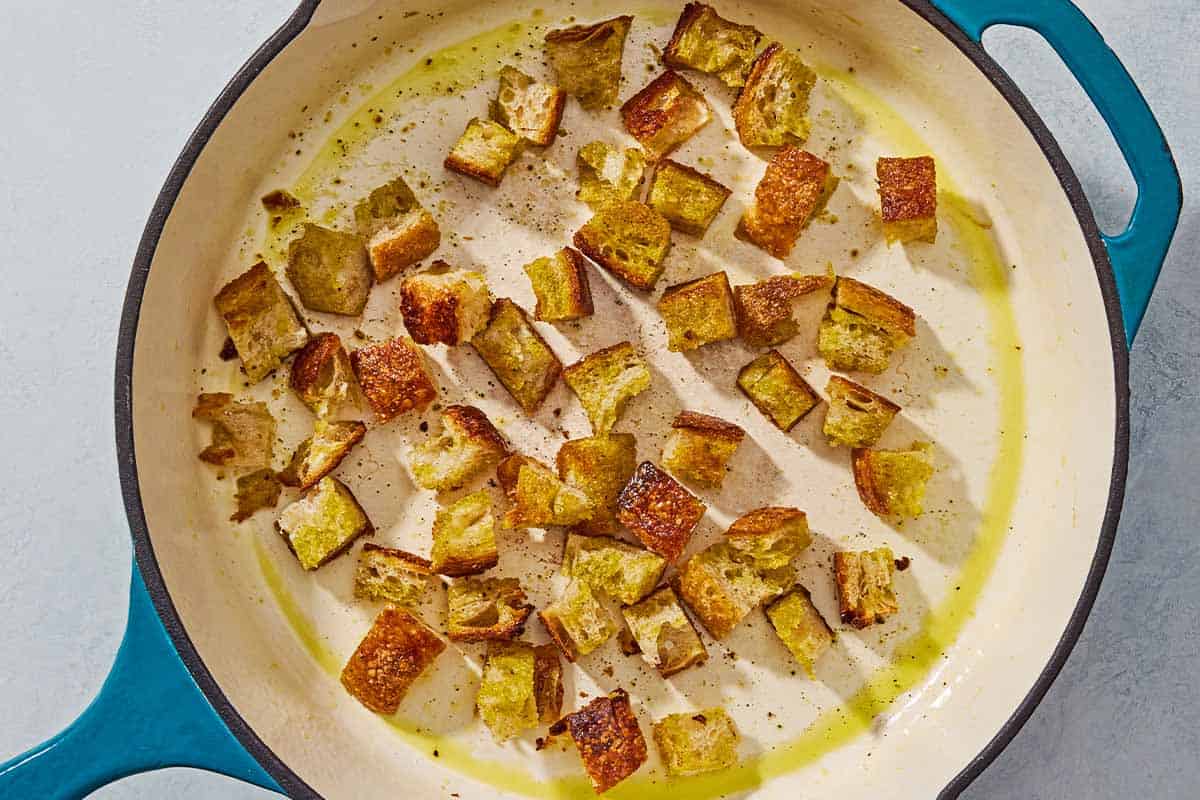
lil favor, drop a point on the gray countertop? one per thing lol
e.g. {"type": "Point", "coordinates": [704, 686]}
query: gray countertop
{"type": "Point", "coordinates": [99, 99]}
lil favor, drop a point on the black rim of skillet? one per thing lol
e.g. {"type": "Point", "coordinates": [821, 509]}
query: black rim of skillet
{"type": "Point", "coordinates": [127, 464]}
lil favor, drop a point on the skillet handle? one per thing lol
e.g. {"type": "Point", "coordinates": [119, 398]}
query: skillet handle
{"type": "Point", "coordinates": [149, 714]}
{"type": "Point", "coordinates": [1137, 253]}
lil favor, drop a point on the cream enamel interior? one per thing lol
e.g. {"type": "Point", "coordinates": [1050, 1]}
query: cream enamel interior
{"type": "Point", "coordinates": [212, 568]}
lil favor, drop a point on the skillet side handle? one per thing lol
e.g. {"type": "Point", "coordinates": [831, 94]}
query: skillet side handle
{"type": "Point", "coordinates": [1137, 253]}
{"type": "Point", "coordinates": [149, 714]}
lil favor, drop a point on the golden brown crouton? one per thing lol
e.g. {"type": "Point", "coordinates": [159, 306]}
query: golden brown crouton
{"type": "Point", "coordinates": [393, 377]}
{"type": "Point", "coordinates": [864, 586]}
{"type": "Point", "coordinates": [863, 327]}
{"type": "Point", "coordinates": [777, 390]}
{"type": "Point", "coordinates": [587, 60]}
{"type": "Point", "coordinates": [607, 173]}
{"type": "Point", "coordinates": [468, 445]}
{"type": "Point", "coordinates": [464, 537]}
{"type": "Point", "coordinates": [795, 186]}
{"type": "Point", "coordinates": [607, 736]}
{"type": "Point", "coordinates": [261, 320]}
{"type": "Point", "coordinates": [687, 198]}
{"type": "Point", "coordinates": [506, 700]}
{"type": "Point", "coordinates": [243, 432]}
{"type": "Point", "coordinates": [721, 586]}
{"type": "Point", "coordinates": [700, 446]}
{"type": "Point", "coordinates": [698, 312]}
{"type": "Point", "coordinates": [703, 40]}
{"type": "Point", "coordinates": [660, 512]}
{"type": "Point", "coordinates": [320, 454]}
{"type": "Point", "coordinates": [323, 523]}
{"type": "Point", "coordinates": [908, 198]}
{"type": "Point", "coordinates": [484, 151]}
{"type": "Point", "coordinates": [665, 114]}
{"type": "Point", "coordinates": [486, 609]}
{"type": "Point", "coordinates": [629, 239]}
{"type": "Point", "coordinates": [398, 231]}
{"type": "Point", "coordinates": [518, 355]}
{"type": "Point", "coordinates": [800, 627]}
{"type": "Point", "coordinates": [892, 482]}
{"type": "Point", "coordinates": [255, 491]}
{"type": "Point", "coordinates": [605, 381]}
{"type": "Point", "coordinates": [664, 634]}
{"type": "Point", "coordinates": [577, 622]}
{"type": "Point", "coordinates": [389, 659]}
{"type": "Point", "coordinates": [330, 270]}
{"type": "Point", "coordinates": [445, 305]}
{"type": "Point", "coordinates": [547, 682]}
{"type": "Point", "coordinates": [770, 537]}
{"type": "Point", "coordinates": [600, 466]}
{"type": "Point", "coordinates": [384, 573]}
{"type": "Point", "coordinates": [560, 283]}
{"type": "Point", "coordinates": [764, 309]}
{"type": "Point", "coordinates": [695, 743]}
{"type": "Point", "coordinates": [538, 496]}
{"type": "Point", "coordinates": [612, 567]}
{"type": "Point", "coordinates": [527, 107]}
{"type": "Point", "coordinates": [856, 416]}
{"type": "Point", "coordinates": [321, 375]}
{"type": "Point", "coordinates": [772, 108]}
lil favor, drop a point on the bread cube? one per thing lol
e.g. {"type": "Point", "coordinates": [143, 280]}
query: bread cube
{"type": "Point", "coordinates": [659, 511]}
{"type": "Point", "coordinates": [321, 375]}
{"type": "Point", "coordinates": [518, 355]}
{"type": "Point", "coordinates": [795, 187]}
{"type": "Point", "coordinates": [243, 432]}
{"type": "Point", "coordinates": [392, 655]}
{"type": "Point", "coordinates": [629, 239]}
{"type": "Point", "coordinates": [261, 320]}
{"type": "Point", "coordinates": [506, 701]}
{"type": "Point", "coordinates": [769, 538]}
{"type": "Point", "coordinates": [560, 283]}
{"type": "Point", "coordinates": [800, 627]}
{"type": "Point", "coordinates": [864, 586]}
{"type": "Point", "coordinates": [330, 270]}
{"type": "Point", "coordinates": [698, 312]}
{"type": "Point", "coordinates": [687, 198]}
{"type": "Point", "coordinates": [891, 483]}
{"type": "Point", "coordinates": [664, 634]}
{"type": "Point", "coordinates": [538, 496]}
{"type": "Point", "coordinates": [484, 151]}
{"type": "Point", "coordinates": [607, 736]}
{"type": "Point", "coordinates": [577, 622]}
{"type": "Point", "coordinates": [323, 523]}
{"type": "Point", "coordinates": [445, 305]}
{"type": "Point", "coordinates": [863, 327]}
{"type": "Point", "coordinates": [908, 198]}
{"type": "Point", "coordinates": [772, 108]}
{"type": "Point", "coordinates": [320, 454]}
{"type": "Point", "coordinates": [547, 682]}
{"type": "Point", "coordinates": [665, 114]}
{"type": "Point", "coordinates": [721, 587]}
{"type": "Point", "coordinates": [468, 445]}
{"type": "Point", "coordinates": [464, 537]}
{"type": "Point", "coordinates": [610, 566]}
{"type": "Point", "coordinates": [695, 743]}
{"type": "Point", "coordinates": [607, 173]}
{"type": "Point", "coordinates": [777, 390]}
{"type": "Point", "coordinates": [703, 40]}
{"type": "Point", "coordinates": [255, 491]}
{"type": "Point", "coordinates": [700, 448]}
{"type": "Point", "coordinates": [605, 381]}
{"type": "Point", "coordinates": [384, 573]}
{"type": "Point", "coordinates": [764, 309]}
{"type": "Point", "coordinates": [587, 60]}
{"type": "Point", "coordinates": [599, 466]}
{"type": "Point", "coordinates": [393, 377]}
{"type": "Point", "coordinates": [527, 107]}
{"type": "Point", "coordinates": [398, 231]}
{"type": "Point", "coordinates": [486, 609]}
{"type": "Point", "coordinates": [856, 416]}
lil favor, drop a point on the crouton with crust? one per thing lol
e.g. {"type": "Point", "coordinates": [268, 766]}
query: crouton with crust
{"type": "Point", "coordinates": [505, 701]}
{"type": "Point", "coordinates": [612, 567]}
{"type": "Point", "coordinates": [577, 622]}
{"type": "Point", "coordinates": [321, 375]}
{"type": "Point", "coordinates": [686, 197]}
{"type": "Point", "coordinates": [323, 523]}
{"type": "Point", "coordinates": [468, 445]}
{"type": "Point", "coordinates": [261, 320]}
{"type": "Point", "coordinates": [772, 108]}
{"type": "Point", "coordinates": [665, 114]}
{"type": "Point", "coordinates": [464, 537]}
{"type": "Point", "coordinates": [445, 305]}
{"type": "Point", "coordinates": [607, 173]}
{"type": "Point", "coordinates": [605, 381]}
{"type": "Point", "coordinates": [777, 390]}
{"type": "Point", "coordinates": [599, 466]}
{"type": "Point", "coordinates": [390, 658]}
{"type": "Point", "coordinates": [698, 312]}
{"type": "Point", "coordinates": [587, 60]}
{"type": "Point", "coordinates": [800, 627]}
{"type": "Point", "coordinates": [864, 586]}
{"type": "Point", "coordinates": [486, 609]}
{"type": "Point", "coordinates": [393, 377]}
{"type": "Point", "coordinates": [528, 107]}
{"type": "Point", "coordinates": [795, 187]}
{"type": "Point", "coordinates": [629, 239]}
{"type": "Point", "coordinates": [721, 587]}
{"type": "Point", "coordinates": [256, 491]}
{"type": "Point", "coordinates": [666, 637]}
{"type": "Point", "coordinates": [384, 573]}
{"type": "Point", "coordinates": [863, 327]}
{"type": "Point", "coordinates": [765, 311]}
{"type": "Point", "coordinates": [320, 454]}
{"type": "Point", "coordinates": [659, 511]}
{"type": "Point", "coordinates": [856, 416]}
{"type": "Point", "coordinates": [694, 743]}
{"type": "Point", "coordinates": [891, 483]}
{"type": "Point", "coordinates": [607, 736]}
{"type": "Point", "coordinates": [399, 233]}
{"type": "Point", "coordinates": [484, 151]}
{"type": "Point", "coordinates": [770, 537]}
{"type": "Point", "coordinates": [243, 432]}
{"type": "Point", "coordinates": [539, 498]}
{"type": "Point", "coordinates": [560, 284]}
{"type": "Point", "coordinates": [700, 448]}
{"type": "Point", "coordinates": [705, 41]}
{"type": "Point", "coordinates": [908, 198]}
{"type": "Point", "coordinates": [330, 270]}
{"type": "Point", "coordinates": [518, 355]}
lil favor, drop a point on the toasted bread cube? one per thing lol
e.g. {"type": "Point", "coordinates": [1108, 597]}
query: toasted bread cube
{"type": "Point", "coordinates": [607, 736]}
{"type": "Point", "coordinates": [243, 432]}
{"type": "Point", "coordinates": [687, 198]}
{"type": "Point", "coordinates": [600, 466]}
{"type": "Point", "coordinates": [908, 198]}
{"type": "Point", "coordinates": [444, 305]}
{"type": "Point", "coordinates": [392, 655]}
{"type": "Point", "coordinates": [721, 587]}
{"type": "Point", "coordinates": [320, 454]}
{"type": "Point", "coordinates": [864, 586]}
{"type": "Point", "coordinates": [518, 355]}
{"type": "Point", "coordinates": [777, 390]}
{"type": "Point", "coordinates": [330, 270]}
{"type": "Point", "coordinates": [527, 107]}
{"type": "Point", "coordinates": [692, 744]}
{"type": "Point", "coordinates": [506, 701]}
{"type": "Point", "coordinates": [323, 523]}
{"type": "Point", "coordinates": [486, 609]}
{"type": "Point", "coordinates": [800, 627]}
{"type": "Point", "coordinates": [664, 634]}
{"type": "Point", "coordinates": [605, 381]}
{"type": "Point", "coordinates": [795, 187]}
{"type": "Point", "coordinates": [700, 446]}
{"type": "Point", "coordinates": [587, 60]}
{"type": "Point", "coordinates": [547, 682]}
{"type": "Point", "coordinates": [468, 445]}
{"type": "Point", "coordinates": [261, 320]}
{"type": "Point", "coordinates": [321, 375]}
{"type": "Point", "coordinates": [704, 40]}
{"type": "Point", "coordinates": [698, 312]}
{"type": "Point", "coordinates": [384, 573]}
{"type": "Point", "coordinates": [464, 537]}
{"type": "Point", "coordinates": [863, 327]}
{"type": "Point", "coordinates": [665, 114]}
{"type": "Point", "coordinates": [856, 416]}
{"type": "Point", "coordinates": [891, 483]}
{"type": "Point", "coordinates": [255, 491]}
{"type": "Point", "coordinates": [539, 497]}
{"type": "Point", "coordinates": [612, 567]}
{"type": "Point", "coordinates": [398, 231]}
{"type": "Point", "coordinates": [607, 173]}
{"type": "Point", "coordinates": [629, 239]}
{"type": "Point", "coordinates": [770, 537]}
{"type": "Point", "coordinates": [577, 622]}
{"type": "Point", "coordinates": [393, 377]}
{"type": "Point", "coordinates": [764, 309]}
{"type": "Point", "coordinates": [772, 108]}
{"type": "Point", "coordinates": [560, 283]}
{"type": "Point", "coordinates": [484, 151]}
{"type": "Point", "coordinates": [660, 512]}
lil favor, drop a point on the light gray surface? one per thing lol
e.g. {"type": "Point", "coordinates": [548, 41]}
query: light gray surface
{"type": "Point", "coordinates": [98, 100]}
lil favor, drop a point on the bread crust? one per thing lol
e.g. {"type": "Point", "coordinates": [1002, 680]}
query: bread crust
{"type": "Point", "coordinates": [393, 377]}
{"type": "Point", "coordinates": [507, 597]}
{"type": "Point", "coordinates": [607, 736]}
{"type": "Point", "coordinates": [907, 188]}
{"type": "Point", "coordinates": [665, 114]}
{"type": "Point", "coordinates": [709, 425]}
{"type": "Point", "coordinates": [659, 511]}
{"type": "Point", "coordinates": [877, 306]}
{"type": "Point", "coordinates": [764, 309]}
{"type": "Point", "coordinates": [392, 655]}
{"type": "Point", "coordinates": [795, 186]}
